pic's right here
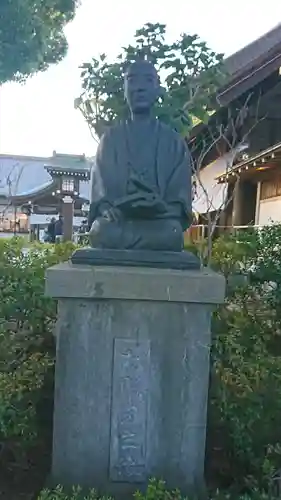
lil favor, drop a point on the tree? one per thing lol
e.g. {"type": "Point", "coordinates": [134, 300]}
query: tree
{"type": "Point", "coordinates": [190, 74]}
{"type": "Point", "coordinates": [10, 178]}
{"type": "Point", "coordinates": [31, 35]}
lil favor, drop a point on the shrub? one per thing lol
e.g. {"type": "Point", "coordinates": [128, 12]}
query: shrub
{"type": "Point", "coordinates": [156, 490]}
{"type": "Point", "coordinates": [76, 494]}
{"type": "Point", "coordinates": [244, 436]}
{"type": "Point", "coordinates": [234, 253]}
{"type": "Point", "coordinates": [245, 396]}
{"type": "Point", "coordinates": [26, 350]}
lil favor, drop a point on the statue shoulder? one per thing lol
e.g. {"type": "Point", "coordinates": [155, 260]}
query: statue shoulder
{"type": "Point", "coordinates": [108, 139]}
{"type": "Point", "coordinates": [108, 144]}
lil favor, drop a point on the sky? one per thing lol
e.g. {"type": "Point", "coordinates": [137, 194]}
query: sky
{"type": "Point", "coordinates": [38, 117]}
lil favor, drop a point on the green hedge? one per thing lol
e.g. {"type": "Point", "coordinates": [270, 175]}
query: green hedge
{"type": "Point", "coordinates": [156, 490]}
{"type": "Point", "coordinates": [26, 356]}
{"type": "Point", "coordinates": [244, 436]}
{"type": "Point", "coordinates": [245, 392]}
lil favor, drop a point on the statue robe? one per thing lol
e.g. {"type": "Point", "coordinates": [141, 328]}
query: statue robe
{"type": "Point", "coordinates": [163, 162]}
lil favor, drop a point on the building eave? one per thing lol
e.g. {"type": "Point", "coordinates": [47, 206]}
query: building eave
{"type": "Point", "coordinates": [249, 79]}
{"type": "Point", "coordinates": [255, 161]}
{"type": "Point", "coordinates": [7, 156]}
{"type": "Point", "coordinates": [34, 194]}
{"type": "Point", "coordinates": [246, 68]}
{"type": "Point", "coordinates": [255, 50]}
{"type": "Point", "coordinates": [82, 172]}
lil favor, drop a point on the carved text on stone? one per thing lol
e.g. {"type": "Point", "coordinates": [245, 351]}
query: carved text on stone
{"type": "Point", "coordinates": [129, 410]}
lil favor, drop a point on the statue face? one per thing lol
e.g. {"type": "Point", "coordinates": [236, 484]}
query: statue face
{"type": "Point", "coordinates": [141, 86]}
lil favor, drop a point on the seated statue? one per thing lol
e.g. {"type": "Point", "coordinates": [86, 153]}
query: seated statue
{"type": "Point", "coordinates": [141, 179]}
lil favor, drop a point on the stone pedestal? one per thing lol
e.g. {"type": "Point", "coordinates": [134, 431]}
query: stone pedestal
{"type": "Point", "coordinates": [132, 375]}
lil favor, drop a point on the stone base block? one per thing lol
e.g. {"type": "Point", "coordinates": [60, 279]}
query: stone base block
{"type": "Point", "coordinates": [132, 376]}
{"type": "Point", "coordinates": [135, 258]}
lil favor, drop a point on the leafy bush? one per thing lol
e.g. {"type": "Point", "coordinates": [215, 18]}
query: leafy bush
{"type": "Point", "coordinates": [76, 494]}
{"type": "Point", "coordinates": [156, 490]}
{"type": "Point", "coordinates": [26, 351]}
{"type": "Point", "coordinates": [245, 396]}
{"type": "Point", "coordinates": [234, 253]}
{"type": "Point", "coordinates": [244, 436]}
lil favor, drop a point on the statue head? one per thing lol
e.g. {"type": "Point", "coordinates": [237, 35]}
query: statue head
{"type": "Point", "coordinates": [141, 86]}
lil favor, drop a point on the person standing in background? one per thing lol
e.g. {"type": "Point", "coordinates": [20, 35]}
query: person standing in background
{"type": "Point", "coordinates": [59, 228]}
{"type": "Point", "coordinates": [51, 230]}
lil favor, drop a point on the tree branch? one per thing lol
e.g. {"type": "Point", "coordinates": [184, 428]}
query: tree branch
{"type": "Point", "coordinates": [227, 135]}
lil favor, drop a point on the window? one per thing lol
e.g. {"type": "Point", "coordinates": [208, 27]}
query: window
{"type": "Point", "coordinates": [270, 188]}
{"type": "Point", "coordinates": [67, 185]}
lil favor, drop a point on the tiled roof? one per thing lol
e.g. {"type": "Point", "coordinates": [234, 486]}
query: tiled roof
{"type": "Point", "coordinates": [247, 67]}
{"type": "Point", "coordinates": [251, 65]}
{"type": "Point", "coordinates": [37, 189]}
{"type": "Point", "coordinates": [68, 162]}
{"type": "Point", "coordinates": [240, 60]}
{"type": "Point", "coordinates": [20, 174]}
{"type": "Point", "coordinates": [23, 175]}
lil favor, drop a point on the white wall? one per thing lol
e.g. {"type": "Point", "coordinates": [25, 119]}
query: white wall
{"type": "Point", "coordinates": [269, 211]}
{"type": "Point", "coordinates": [211, 195]}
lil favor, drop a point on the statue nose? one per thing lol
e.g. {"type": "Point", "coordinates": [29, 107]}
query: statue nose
{"type": "Point", "coordinates": [141, 90]}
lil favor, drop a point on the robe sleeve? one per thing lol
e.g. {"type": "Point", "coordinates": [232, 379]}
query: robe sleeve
{"type": "Point", "coordinates": [179, 183]}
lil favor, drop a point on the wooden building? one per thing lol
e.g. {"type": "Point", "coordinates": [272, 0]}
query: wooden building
{"type": "Point", "coordinates": [254, 189]}
{"type": "Point", "coordinates": [241, 170]}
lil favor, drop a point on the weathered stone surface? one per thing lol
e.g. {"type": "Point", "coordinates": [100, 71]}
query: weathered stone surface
{"type": "Point", "coordinates": [131, 283]}
{"type": "Point", "coordinates": [131, 376]}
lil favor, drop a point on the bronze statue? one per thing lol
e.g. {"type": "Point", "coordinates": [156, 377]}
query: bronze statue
{"type": "Point", "coordinates": [141, 190]}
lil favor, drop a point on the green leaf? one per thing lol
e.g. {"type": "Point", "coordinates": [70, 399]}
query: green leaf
{"type": "Point", "coordinates": [184, 65]}
{"type": "Point", "coordinates": [32, 35]}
